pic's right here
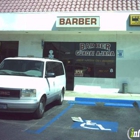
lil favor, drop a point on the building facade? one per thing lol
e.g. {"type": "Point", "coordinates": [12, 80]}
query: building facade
{"type": "Point", "coordinates": [100, 49]}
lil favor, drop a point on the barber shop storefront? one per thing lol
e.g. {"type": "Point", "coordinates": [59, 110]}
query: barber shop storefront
{"type": "Point", "coordinates": [88, 59]}
{"type": "Point", "coordinates": [82, 59]}
{"type": "Point", "coordinates": [100, 50]}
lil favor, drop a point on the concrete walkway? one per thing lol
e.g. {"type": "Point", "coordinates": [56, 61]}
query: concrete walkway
{"type": "Point", "coordinates": [70, 95]}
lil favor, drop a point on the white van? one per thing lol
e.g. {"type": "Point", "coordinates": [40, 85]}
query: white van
{"type": "Point", "coordinates": [28, 84]}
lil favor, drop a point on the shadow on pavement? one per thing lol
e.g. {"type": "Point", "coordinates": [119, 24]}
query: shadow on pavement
{"type": "Point", "coordinates": [22, 116]}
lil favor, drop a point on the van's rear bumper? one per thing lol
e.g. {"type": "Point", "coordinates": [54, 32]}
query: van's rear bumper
{"type": "Point", "coordinates": [21, 106]}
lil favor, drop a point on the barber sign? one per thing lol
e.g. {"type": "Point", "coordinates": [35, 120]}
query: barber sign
{"type": "Point", "coordinates": [78, 21]}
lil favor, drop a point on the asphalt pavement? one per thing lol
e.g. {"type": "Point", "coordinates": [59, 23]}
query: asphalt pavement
{"type": "Point", "coordinates": [109, 120]}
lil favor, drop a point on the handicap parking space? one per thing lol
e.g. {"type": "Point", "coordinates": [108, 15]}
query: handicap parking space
{"type": "Point", "coordinates": [96, 121]}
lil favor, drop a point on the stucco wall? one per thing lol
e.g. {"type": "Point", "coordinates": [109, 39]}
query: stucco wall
{"type": "Point", "coordinates": [109, 21]}
{"type": "Point", "coordinates": [127, 67]}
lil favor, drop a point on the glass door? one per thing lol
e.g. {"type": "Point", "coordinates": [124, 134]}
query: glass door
{"type": "Point", "coordinates": [63, 51]}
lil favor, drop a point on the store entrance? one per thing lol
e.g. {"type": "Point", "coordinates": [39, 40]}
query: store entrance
{"type": "Point", "coordinates": [62, 51]}
{"type": "Point", "coordinates": [8, 49]}
{"type": "Point", "coordinates": [69, 67]}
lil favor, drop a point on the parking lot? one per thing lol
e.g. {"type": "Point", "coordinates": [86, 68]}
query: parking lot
{"type": "Point", "coordinates": [98, 121]}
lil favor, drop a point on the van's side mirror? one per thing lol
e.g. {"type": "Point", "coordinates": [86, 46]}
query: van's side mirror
{"type": "Point", "coordinates": [50, 74]}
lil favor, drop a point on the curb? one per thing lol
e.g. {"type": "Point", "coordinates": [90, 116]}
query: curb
{"type": "Point", "coordinates": [107, 102]}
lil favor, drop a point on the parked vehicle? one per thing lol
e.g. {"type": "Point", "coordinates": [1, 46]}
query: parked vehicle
{"type": "Point", "coordinates": [28, 84]}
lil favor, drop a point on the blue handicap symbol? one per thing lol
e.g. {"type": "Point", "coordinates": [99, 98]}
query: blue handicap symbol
{"type": "Point", "coordinates": [96, 125]}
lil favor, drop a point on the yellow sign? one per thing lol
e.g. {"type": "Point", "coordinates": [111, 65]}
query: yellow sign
{"type": "Point", "coordinates": [135, 20]}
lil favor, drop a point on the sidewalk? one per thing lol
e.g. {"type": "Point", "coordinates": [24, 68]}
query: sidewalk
{"type": "Point", "coordinates": [70, 95]}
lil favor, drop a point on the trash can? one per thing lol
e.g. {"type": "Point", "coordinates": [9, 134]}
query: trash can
{"type": "Point", "coordinates": [124, 87]}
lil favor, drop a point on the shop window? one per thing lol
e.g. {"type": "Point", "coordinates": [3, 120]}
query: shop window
{"type": "Point", "coordinates": [88, 59]}
{"type": "Point", "coordinates": [8, 49]}
{"type": "Point", "coordinates": [95, 59]}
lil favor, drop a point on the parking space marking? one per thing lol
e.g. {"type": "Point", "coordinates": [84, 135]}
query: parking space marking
{"type": "Point", "coordinates": [40, 130]}
{"type": "Point", "coordinates": [93, 125]}
{"type": "Point", "coordinates": [82, 103]}
{"type": "Point", "coordinates": [30, 127]}
{"type": "Point", "coordinates": [107, 102]}
{"type": "Point", "coordinates": [96, 125]}
{"type": "Point", "coordinates": [119, 105]}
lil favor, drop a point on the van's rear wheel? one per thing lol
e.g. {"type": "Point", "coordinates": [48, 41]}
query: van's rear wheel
{"type": "Point", "coordinates": [61, 98]}
{"type": "Point", "coordinates": [41, 109]}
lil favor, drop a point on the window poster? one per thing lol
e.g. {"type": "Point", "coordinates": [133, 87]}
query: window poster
{"type": "Point", "coordinates": [89, 59]}
{"type": "Point", "coordinates": [96, 59]}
